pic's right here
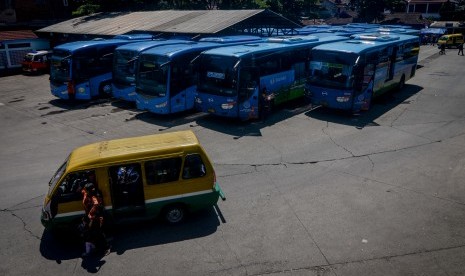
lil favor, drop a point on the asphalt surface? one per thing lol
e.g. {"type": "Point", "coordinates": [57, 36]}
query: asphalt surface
{"type": "Point", "coordinates": [309, 191]}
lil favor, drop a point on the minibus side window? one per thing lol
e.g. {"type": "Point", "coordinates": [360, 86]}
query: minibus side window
{"type": "Point", "coordinates": [193, 167]}
{"type": "Point", "coordinates": [70, 188]}
{"type": "Point", "coordinates": [162, 170]}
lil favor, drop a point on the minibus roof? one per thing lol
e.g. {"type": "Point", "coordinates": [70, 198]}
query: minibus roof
{"type": "Point", "coordinates": [111, 151]}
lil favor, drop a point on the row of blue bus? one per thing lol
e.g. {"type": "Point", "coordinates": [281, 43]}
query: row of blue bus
{"type": "Point", "coordinates": [230, 76]}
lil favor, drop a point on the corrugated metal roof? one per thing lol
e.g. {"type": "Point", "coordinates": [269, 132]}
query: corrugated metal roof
{"type": "Point", "coordinates": [166, 21]}
{"type": "Point", "coordinates": [14, 35]}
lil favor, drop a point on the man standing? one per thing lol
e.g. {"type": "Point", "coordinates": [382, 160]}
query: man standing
{"type": "Point", "coordinates": [460, 49]}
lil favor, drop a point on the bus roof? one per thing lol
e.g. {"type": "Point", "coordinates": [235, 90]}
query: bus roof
{"type": "Point", "coordinates": [144, 45]}
{"type": "Point", "coordinates": [273, 44]}
{"type": "Point", "coordinates": [76, 45]}
{"type": "Point", "coordinates": [231, 38]}
{"type": "Point", "coordinates": [362, 42]}
{"type": "Point", "coordinates": [202, 45]}
{"type": "Point", "coordinates": [107, 152]}
{"type": "Point", "coordinates": [177, 49]}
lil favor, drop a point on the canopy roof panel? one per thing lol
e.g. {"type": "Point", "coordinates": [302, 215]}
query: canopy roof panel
{"type": "Point", "coordinates": [171, 21]}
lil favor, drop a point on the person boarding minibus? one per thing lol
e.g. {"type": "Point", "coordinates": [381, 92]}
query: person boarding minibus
{"type": "Point", "coordinates": [139, 178]}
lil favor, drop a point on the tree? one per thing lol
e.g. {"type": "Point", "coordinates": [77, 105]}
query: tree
{"type": "Point", "coordinates": [369, 10]}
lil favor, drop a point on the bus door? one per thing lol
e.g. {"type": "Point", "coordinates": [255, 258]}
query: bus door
{"type": "Point", "coordinates": [127, 189]}
{"type": "Point", "coordinates": [364, 76]}
{"type": "Point", "coordinates": [248, 96]}
{"type": "Point", "coordinates": [392, 60]}
{"type": "Point", "coordinates": [182, 84]}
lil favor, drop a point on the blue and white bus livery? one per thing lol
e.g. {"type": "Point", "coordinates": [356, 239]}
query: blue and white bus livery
{"type": "Point", "coordinates": [166, 76]}
{"type": "Point", "coordinates": [81, 70]}
{"type": "Point", "coordinates": [239, 81]}
{"type": "Point", "coordinates": [125, 62]}
{"type": "Point", "coordinates": [347, 75]}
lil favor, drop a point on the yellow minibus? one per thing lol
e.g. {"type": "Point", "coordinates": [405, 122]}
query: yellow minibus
{"type": "Point", "coordinates": [139, 178]}
{"type": "Point", "coordinates": [451, 40]}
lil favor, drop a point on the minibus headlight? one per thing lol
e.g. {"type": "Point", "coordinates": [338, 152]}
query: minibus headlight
{"type": "Point", "coordinates": [227, 105]}
{"type": "Point", "coordinates": [45, 215]}
{"type": "Point", "coordinates": [163, 104]}
{"type": "Point", "coordinates": [343, 99]}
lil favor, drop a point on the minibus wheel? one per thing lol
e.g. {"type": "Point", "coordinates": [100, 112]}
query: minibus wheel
{"type": "Point", "coordinates": [174, 214]}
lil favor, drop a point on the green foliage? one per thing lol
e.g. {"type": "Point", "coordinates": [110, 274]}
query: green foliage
{"type": "Point", "coordinates": [370, 10]}
{"type": "Point", "coordinates": [453, 12]}
{"type": "Point", "coordinates": [86, 9]}
{"type": "Point", "coordinates": [291, 9]}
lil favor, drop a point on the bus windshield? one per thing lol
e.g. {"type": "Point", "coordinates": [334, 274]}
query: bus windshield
{"type": "Point", "coordinates": [60, 66]}
{"type": "Point", "coordinates": [216, 75]}
{"type": "Point", "coordinates": [332, 69]}
{"type": "Point", "coordinates": [153, 76]}
{"type": "Point", "coordinates": [124, 64]}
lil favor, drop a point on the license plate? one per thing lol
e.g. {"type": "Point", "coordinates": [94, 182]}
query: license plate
{"type": "Point", "coordinates": [211, 110]}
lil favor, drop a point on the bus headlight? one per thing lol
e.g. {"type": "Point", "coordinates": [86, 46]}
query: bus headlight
{"type": "Point", "coordinates": [227, 105]}
{"type": "Point", "coordinates": [163, 104]}
{"type": "Point", "coordinates": [198, 100]}
{"type": "Point", "coordinates": [343, 99]}
{"type": "Point", "coordinates": [307, 92]}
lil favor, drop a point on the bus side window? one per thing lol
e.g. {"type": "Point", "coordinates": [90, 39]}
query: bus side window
{"type": "Point", "coordinates": [162, 170]}
{"type": "Point", "coordinates": [193, 167]}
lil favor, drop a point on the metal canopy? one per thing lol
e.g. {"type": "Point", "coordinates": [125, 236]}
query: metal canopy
{"type": "Point", "coordinates": [199, 22]}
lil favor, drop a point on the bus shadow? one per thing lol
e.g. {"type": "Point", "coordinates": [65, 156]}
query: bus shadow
{"type": "Point", "coordinates": [380, 106]}
{"type": "Point", "coordinates": [67, 105]}
{"type": "Point", "coordinates": [238, 128]}
{"type": "Point", "coordinates": [79, 104]}
{"type": "Point", "coordinates": [132, 236]}
{"type": "Point", "coordinates": [168, 121]}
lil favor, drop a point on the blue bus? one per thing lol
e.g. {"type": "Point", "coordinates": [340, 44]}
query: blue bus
{"type": "Point", "coordinates": [81, 70]}
{"type": "Point", "coordinates": [346, 75]}
{"type": "Point", "coordinates": [125, 63]}
{"type": "Point", "coordinates": [166, 76]}
{"type": "Point", "coordinates": [236, 81]}
{"type": "Point", "coordinates": [407, 31]}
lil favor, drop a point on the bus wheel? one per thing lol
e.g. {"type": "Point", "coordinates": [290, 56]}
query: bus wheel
{"type": "Point", "coordinates": [401, 84]}
{"type": "Point", "coordinates": [174, 214]}
{"type": "Point", "coordinates": [105, 89]}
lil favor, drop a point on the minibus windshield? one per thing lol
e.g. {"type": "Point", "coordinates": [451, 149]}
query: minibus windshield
{"type": "Point", "coordinates": [57, 176]}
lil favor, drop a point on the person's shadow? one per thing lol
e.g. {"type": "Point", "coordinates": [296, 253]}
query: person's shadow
{"type": "Point", "coordinates": [67, 245]}
{"type": "Point", "coordinates": [59, 247]}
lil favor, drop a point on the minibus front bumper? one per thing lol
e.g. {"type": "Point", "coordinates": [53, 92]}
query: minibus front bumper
{"type": "Point", "coordinates": [219, 191]}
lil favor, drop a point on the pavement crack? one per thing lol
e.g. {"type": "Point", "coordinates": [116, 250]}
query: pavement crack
{"type": "Point", "coordinates": [286, 164]}
{"type": "Point", "coordinates": [300, 221]}
{"type": "Point", "coordinates": [407, 189]}
{"type": "Point", "coordinates": [372, 163]}
{"type": "Point", "coordinates": [234, 253]}
{"type": "Point", "coordinates": [23, 222]}
{"type": "Point", "coordinates": [332, 140]}
{"type": "Point", "coordinates": [331, 266]}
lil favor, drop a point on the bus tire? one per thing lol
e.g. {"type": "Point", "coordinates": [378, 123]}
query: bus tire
{"type": "Point", "coordinates": [174, 214]}
{"type": "Point", "coordinates": [401, 84]}
{"type": "Point", "coordinates": [105, 89]}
